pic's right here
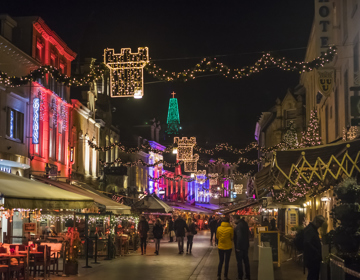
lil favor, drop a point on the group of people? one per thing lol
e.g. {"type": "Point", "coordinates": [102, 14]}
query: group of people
{"type": "Point", "coordinates": [225, 236]}
{"type": "Point", "coordinates": [178, 228]}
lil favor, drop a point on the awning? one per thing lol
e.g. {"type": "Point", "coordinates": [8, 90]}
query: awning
{"type": "Point", "coordinates": [191, 208]}
{"type": "Point", "coordinates": [234, 208]}
{"type": "Point", "coordinates": [84, 189]}
{"type": "Point", "coordinates": [263, 182]}
{"type": "Point", "coordinates": [20, 192]}
{"type": "Point", "coordinates": [151, 203]}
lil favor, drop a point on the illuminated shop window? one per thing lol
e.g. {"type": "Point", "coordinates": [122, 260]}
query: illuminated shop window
{"type": "Point", "coordinates": [15, 124]}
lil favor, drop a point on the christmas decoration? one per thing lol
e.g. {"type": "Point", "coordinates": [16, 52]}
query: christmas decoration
{"type": "Point", "coordinates": [267, 60]}
{"type": "Point", "coordinates": [238, 188]}
{"type": "Point", "coordinates": [207, 64]}
{"type": "Point", "coordinates": [185, 148]}
{"type": "Point", "coordinates": [350, 134]}
{"type": "Point", "coordinates": [213, 178]}
{"type": "Point", "coordinates": [347, 211]}
{"type": "Point", "coordinates": [173, 118]}
{"type": "Point", "coordinates": [311, 137]}
{"type": "Point", "coordinates": [126, 71]}
{"type": "Point", "coordinates": [191, 165]}
{"type": "Point", "coordinates": [201, 176]}
{"type": "Point", "coordinates": [290, 140]}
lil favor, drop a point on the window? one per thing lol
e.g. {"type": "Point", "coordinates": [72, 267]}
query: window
{"type": "Point", "coordinates": [39, 50]}
{"type": "Point", "coordinates": [290, 116]}
{"type": "Point", "coordinates": [52, 137]}
{"type": "Point", "coordinates": [336, 112]}
{"type": "Point", "coordinates": [60, 144]}
{"type": "Point", "coordinates": [15, 124]}
{"type": "Point", "coordinates": [292, 219]}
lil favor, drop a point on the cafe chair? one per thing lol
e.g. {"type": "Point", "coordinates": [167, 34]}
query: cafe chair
{"type": "Point", "coordinates": [38, 261]}
{"type": "Point", "coordinates": [3, 250]}
{"type": "Point", "coordinates": [18, 267]}
{"type": "Point", "coordinates": [5, 268]}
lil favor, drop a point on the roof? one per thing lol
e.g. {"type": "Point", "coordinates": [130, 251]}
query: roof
{"type": "Point", "coordinates": [20, 192]}
{"type": "Point", "coordinates": [151, 203]}
{"type": "Point", "coordinates": [98, 197]}
{"type": "Point", "coordinates": [191, 208]}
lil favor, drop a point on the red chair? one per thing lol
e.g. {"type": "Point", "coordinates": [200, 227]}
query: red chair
{"type": "Point", "coordinates": [3, 250]}
{"type": "Point", "coordinates": [5, 267]}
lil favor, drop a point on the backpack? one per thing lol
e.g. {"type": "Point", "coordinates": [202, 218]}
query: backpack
{"type": "Point", "coordinates": [299, 240]}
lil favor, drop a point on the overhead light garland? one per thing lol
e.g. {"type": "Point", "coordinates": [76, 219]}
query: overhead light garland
{"type": "Point", "coordinates": [267, 60]}
{"type": "Point", "coordinates": [205, 65]}
{"type": "Point", "coordinates": [140, 162]}
{"type": "Point", "coordinates": [235, 176]}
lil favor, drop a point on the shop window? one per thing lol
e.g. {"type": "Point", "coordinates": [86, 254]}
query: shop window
{"type": "Point", "coordinates": [60, 144]}
{"type": "Point", "coordinates": [15, 125]}
{"type": "Point", "coordinates": [52, 137]}
{"type": "Point", "coordinates": [39, 51]}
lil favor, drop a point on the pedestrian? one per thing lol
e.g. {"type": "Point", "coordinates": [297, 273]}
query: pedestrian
{"type": "Point", "coordinates": [224, 235]}
{"type": "Point", "coordinates": [213, 227]}
{"type": "Point", "coordinates": [158, 235]}
{"type": "Point", "coordinates": [171, 229]}
{"type": "Point", "coordinates": [190, 235]}
{"type": "Point", "coordinates": [180, 228]}
{"type": "Point", "coordinates": [273, 224]}
{"type": "Point", "coordinates": [143, 228]}
{"type": "Point", "coordinates": [241, 242]}
{"type": "Point", "coordinates": [266, 223]}
{"type": "Point", "coordinates": [312, 248]}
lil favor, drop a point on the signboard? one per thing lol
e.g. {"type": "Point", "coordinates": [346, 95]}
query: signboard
{"type": "Point", "coordinates": [323, 23]}
{"type": "Point", "coordinates": [271, 238]}
{"type": "Point", "coordinates": [36, 118]}
{"type": "Point", "coordinates": [325, 81]}
{"type": "Point", "coordinates": [43, 222]}
{"type": "Point", "coordinates": [30, 227]}
{"type": "Point", "coordinates": [162, 192]}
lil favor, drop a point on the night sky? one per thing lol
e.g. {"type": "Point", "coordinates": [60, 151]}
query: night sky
{"type": "Point", "coordinates": [179, 34]}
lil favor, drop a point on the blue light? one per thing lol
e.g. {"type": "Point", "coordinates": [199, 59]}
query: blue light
{"type": "Point", "coordinates": [11, 123]}
{"type": "Point", "coordinates": [36, 109]}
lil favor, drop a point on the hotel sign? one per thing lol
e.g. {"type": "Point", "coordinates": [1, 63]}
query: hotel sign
{"type": "Point", "coordinates": [323, 24]}
{"type": "Point", "coordinates": [36, 118]}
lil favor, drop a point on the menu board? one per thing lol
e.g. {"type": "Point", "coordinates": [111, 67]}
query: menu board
{"type": "Point", "coordinates": [30, 227]}
{"type": "Point", "coordinates": [272, 238]}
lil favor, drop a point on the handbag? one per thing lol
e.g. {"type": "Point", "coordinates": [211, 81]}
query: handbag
{"type": "Point", "coordinates": [172, 233]}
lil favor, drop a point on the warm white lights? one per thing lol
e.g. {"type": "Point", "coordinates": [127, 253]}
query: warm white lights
{"type": "Point", "coordinates": [239, 188]}
{"type": "Point", "coordinates": [138, 94]}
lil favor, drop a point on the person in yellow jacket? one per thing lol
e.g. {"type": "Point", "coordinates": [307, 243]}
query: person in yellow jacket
{"type": "Point", "coordinates": [224, 235]}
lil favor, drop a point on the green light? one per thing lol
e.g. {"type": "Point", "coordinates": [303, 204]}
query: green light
{"type": "Point", "coordinates": [173, 118]}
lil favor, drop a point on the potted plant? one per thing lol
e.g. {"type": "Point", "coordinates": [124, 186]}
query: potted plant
{"type": "Point", "coordinates": [73, 243]}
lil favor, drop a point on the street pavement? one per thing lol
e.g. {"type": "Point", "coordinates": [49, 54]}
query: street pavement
{"type": "Point", "coordinates": [200, 265]}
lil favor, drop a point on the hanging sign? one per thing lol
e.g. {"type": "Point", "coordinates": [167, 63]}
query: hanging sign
{"type": "Point", "coordinates": [323, 24]}
{"type": "Point", "coordinates": [126, 71]}
{"type": "Point", "coordinates": [36, 118]}
{"type": "Point", "coordinates": [325, 81]}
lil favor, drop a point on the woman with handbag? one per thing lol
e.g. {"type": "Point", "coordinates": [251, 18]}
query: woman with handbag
{"type": "Point", "coordinates": [190, 235]}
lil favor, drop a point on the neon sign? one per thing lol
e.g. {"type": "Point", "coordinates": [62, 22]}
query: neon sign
{"type": "Point", "coordinates": [36, 115]}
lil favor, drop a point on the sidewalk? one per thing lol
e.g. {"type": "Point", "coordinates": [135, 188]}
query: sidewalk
{"type": "Point", "coordinates": [208, 268]}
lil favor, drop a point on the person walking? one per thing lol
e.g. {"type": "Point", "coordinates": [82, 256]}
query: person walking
{"type": "Point", "coordinates": [143, 228]}
{"type": "Point", "coordinates": [213, 227]}
{"type": "Point", "coordinates": [190, 235]}
{"type": "Point", "coordinates": [171, 229]}
{"type": "Point", "coordinates": [224, 235]}
{"type": "Point", "coordinates": [158, 231]}
{"type": "Point", "coordinates": [241, 242]}
{"type": "Point", "coordinates": [312, 248]}
{"type": "Point", "coordinates": [180, 227]}
{"type": "Point", "coordinates": [273, 224]}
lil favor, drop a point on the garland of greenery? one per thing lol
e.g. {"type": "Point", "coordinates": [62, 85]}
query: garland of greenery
{"type": "Point", "coordinates": [205, 65]}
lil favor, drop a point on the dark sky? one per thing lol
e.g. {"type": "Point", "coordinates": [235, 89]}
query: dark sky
{"type": "Point", "coordinates": [214, 109]}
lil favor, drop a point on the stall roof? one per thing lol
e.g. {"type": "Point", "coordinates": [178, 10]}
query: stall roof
{"type": "Point", "coordinates": [20, 192]}
{"type": "Point", "coordinates": [84, 189]}
{"type": "Point", "coordinates": [151, 203]}
{"type": "Point", "coordinates": [234, 208]}
{"type": "Point", "coordinates": [191, 208]}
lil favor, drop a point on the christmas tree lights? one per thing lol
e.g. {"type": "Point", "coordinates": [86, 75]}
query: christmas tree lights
{"type": "Point", "coordinates": [290, 140]}
{"type": "Point", "coordinates": [312, 135]}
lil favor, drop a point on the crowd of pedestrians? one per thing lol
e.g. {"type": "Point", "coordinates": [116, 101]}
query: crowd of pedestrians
{"type": "Point", "coordinates": [227, 237]}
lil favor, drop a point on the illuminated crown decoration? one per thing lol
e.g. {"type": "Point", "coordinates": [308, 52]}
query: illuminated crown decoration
{"type": "Point", "coordinates": [201, 176]}
{"type": "Point", "coordinates": [213, 178]}
{"type": "Point", "coordinates": [126, 71]}
{"type": "Point", "coordinates": [185, 153]}
{"type": "Point", "coordinates": [239, 188]}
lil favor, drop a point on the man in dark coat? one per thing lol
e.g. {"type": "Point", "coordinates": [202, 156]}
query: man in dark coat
{"type": "Point", "coordinates": [143, 228]}
{"type": "Point", "coordinates": [171, 228]}
{"type": "Point", "coordinates": [214, 224]}
{"type": "Point", "coordinates": [241, 242]}
{"type": "Point", "coordinates": [180, 228]}
{"type": "Point", "coordinates": [312, 248]}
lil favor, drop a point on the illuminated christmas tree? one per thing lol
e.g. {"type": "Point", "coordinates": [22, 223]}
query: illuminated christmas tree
{"type": "Point", "coordinates": [173, 118]}
{"type": "Point", "coordinates": [290, 140]}
{"type": "Point", "coordinates": [312, 135]}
